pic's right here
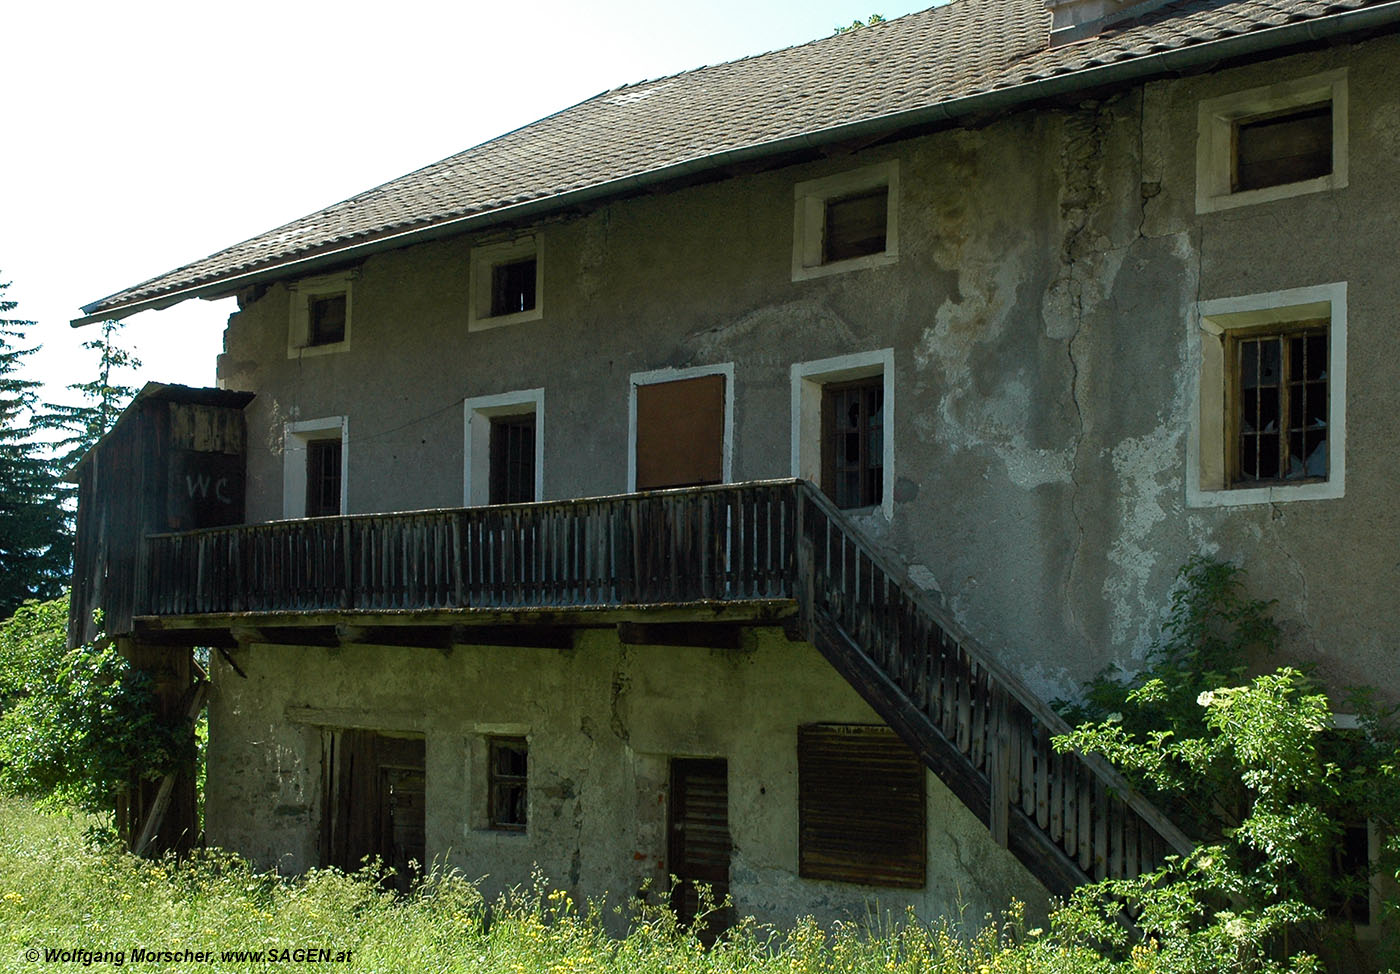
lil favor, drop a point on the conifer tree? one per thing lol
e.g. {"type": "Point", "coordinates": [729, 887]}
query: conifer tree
{"type": "Point", "coordinates": [102, 399]}
{"type": "Point", "coordinates": [36, 547]}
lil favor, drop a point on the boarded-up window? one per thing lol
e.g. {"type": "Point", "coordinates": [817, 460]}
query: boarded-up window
{"type": "Point", "coordinates": [513, 287]}
{"type": "Point", "coordinates": [855, 225]}
{"type": "Point", "coordinates": [860, 798]}
{"type": "Point", "coordinates": [680, 433]}
{"type": "Point", "coordinates": [508, 783]}
{"type": "Point", "coordinates": [326, 319]}
{"type": "Point", "coordinates": [853, 442]}
{"type": "Point", "coordinates": [1281, 402]}
{"type": "Point", "coordinates": [373, 789]}
{"type": "Point", "coordinates": [1283, 147]}
{"type": "Point", "coordinates": [322, 478]}
{"type": "Point", "coordinates": [512, 459]}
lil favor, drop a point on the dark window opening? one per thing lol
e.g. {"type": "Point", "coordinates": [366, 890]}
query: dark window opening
{"type": "Point", "coordinates": [323, 478]}
{"type": "Point", "coordinates": [1281, 413]}
{"type": "Point", "coordinates": [1352, 867]}
{"type": "Point", "coordinates": [513, 287]}
{"type": "Point", "coordinates": [860, 806]}
{"type": "Point", "coordinates": [853, 443]}
{"type": "Point", "coordinates": [507, 783]}
{"type": "Point", "coordinates": [326, 315]}
{"type": "Point", "coordinates": [1283, 147]}
{"type": "Point", "coordinates": [512, 459]}
{"type": "Point", "coordinates": [855, 226]}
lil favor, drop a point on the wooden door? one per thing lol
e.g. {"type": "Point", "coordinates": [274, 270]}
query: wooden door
{"type": "Point", "coordinates": [372, 806]}
{"type": "Point", "coordinates": [699, 839]}
{"type": "Point", "coordinates": [680, 433]}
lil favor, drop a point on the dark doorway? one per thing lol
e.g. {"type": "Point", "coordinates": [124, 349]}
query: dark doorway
{"type": "Point", "coordinates": [699, 840]}
{"type": "Point", "coordinates": [373, 787]}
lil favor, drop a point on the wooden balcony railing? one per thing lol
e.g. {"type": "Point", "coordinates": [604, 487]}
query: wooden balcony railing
{"type": "Point", "coordinates": [1066, 816]}
{"type": "Point", "coordinates": [713, 543]}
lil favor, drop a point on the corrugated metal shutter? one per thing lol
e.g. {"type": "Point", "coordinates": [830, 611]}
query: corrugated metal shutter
{"type": "Point", "coordinates": [860, 797]}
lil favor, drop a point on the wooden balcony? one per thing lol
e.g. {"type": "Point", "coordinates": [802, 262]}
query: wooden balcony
{"type": "Point", "coordinates": [774, 552]}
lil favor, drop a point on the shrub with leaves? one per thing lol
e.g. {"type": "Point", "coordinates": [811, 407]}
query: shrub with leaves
{"type": "Point", "coordinates": [1256, 771]}
{"type": "Point", "coordinates": [77, 724]}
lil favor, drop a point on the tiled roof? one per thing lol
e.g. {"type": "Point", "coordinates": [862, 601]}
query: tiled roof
{"type": "Point", "coordinates": [938, 57]}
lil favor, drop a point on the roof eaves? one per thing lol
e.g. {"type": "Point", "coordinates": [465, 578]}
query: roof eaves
{"type": "Point", "coordinates": [993, 99]}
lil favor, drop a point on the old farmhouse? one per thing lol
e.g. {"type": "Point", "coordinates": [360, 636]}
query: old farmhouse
{"type": "Point", "coordinates": [717, 478]}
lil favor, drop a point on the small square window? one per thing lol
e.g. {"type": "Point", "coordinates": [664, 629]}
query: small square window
{"type": "Point", "coordinates": [507, 783]}
{"type": "Point", "coordinates": [506, 284]}
{"type": "Point", "coordinates": [846, 222]}
{"type": "Point", "coordinates": [322, 313]}
{"type": "Point", "coordinates": [1272, 143]}
{"type": "Point", "coordinates": [1285, 147]}
{"type": "Point", "coordinates": [855, 226]}
{"type": "Point", "coordinates": [513, 287]}
{"type": "Point", "coordinates": [327, 319]}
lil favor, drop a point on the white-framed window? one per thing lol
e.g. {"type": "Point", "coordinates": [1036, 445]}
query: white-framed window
{"type": "Point", "coordinates": [680, 427]}
{"type": "Point", "coordinates": [322, 309]}
{"type": "Point", "coordinates": [1272, 142]}
{"type": "Point", "coordinates": [315, 458]}
{"type": "Point", "coordinates": [1270, 419]}
{"type": "Point", "coordinates": [846, 222]}
{"type": "Point", "coordinates": [507, 283]}
{"type": "Point", "coordinates": [843, 428]}
{"type": "Point", "coordinates": [505, 448]}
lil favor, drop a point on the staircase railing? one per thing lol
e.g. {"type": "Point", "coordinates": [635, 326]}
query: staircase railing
{"type": "Point", "coordinates": [1069, 817]}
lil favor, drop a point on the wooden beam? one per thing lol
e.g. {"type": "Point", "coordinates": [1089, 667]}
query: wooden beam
{"type": "Point", "coordinates": [711, 635]}
{"type": "Point", "coordinates": [167, 784]}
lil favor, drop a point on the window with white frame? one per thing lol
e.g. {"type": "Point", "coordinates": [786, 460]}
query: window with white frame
{"type": "Point", "coordinates": [842, 428]}
{"type": "Point", "coordinates": [506, 283]}
{"type": "Point", "coordinates": [321, 314]}
{"type": "Point", "coordinates": [846, 222]}
{"type": "Point", "coordinates": [1270, 423]}
{"type": "Point", "coordinates": [1273, 142]}
{"type": "Point", "coordinates": [505, 448]}
{"type": "Point", "coordinates": [314, 460]}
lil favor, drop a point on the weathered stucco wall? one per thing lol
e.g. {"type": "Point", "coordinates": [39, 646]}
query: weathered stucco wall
{"type": "Point", "coordinates": [1041, 315]}
{"type": "Point", "coordinates": [602, 721]}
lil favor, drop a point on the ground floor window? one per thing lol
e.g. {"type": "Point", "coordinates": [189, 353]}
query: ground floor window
{"type": "Point", "coordinates": [860, 806]}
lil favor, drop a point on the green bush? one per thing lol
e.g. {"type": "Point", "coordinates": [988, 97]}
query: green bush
{"type": "Point", "coordinates": [75, 725]}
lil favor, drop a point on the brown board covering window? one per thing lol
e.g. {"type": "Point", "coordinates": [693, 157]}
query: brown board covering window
{"type": "Point", "coordinates": [853, 442]}
{"type": "Point", "coordinates": [322, 478]}
{"type": "Point", "coordinates": [513, 459]}
{"type": "Point", "coordinates": [860, 806]}
{"type": "Point", "coordinates": [855, 226]}
{"type": "Point", "coordinates": [680, 433]}
{"type": "Point", "coordinates": [513, 287]}
{"type": "Point", "coordinates": [1283, 147]}
{"type": "Point", "coordinates": [327, 319]}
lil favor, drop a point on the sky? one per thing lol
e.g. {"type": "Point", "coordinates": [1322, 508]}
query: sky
{"type": "Point", "coordinates": [144, 135]}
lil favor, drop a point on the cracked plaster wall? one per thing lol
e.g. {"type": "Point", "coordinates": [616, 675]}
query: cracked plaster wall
{"type": "Point", "coordinates": [602, 721]}
{"type": "Point", "coordinates": [1040, 314]}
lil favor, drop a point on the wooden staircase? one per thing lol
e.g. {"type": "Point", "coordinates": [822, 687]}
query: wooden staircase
{"type": "Point", "coordinates": [757, 551]}
{"type": "Point", "coordinates": [1069, 818]}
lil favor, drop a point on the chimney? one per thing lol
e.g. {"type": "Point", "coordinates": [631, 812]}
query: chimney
{"type": "Point", "coordinates": [1072, 20]}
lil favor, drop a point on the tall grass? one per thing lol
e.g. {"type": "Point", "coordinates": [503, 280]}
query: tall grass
{"type": "Point", "coordinates": [59, 890]}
